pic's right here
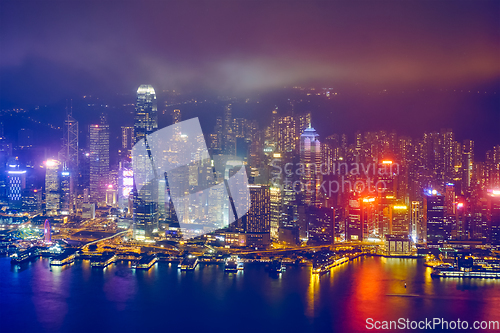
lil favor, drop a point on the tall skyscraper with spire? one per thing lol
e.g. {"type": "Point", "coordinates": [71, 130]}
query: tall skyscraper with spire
{"type": "Point", "coordinates": [146, 122]}
{"type": "Point", "coordinates": [70, 142]}
{"type": "Point", "coordinates": [69, 157]}
{"type": "Point", "coordinates": [146, 114]}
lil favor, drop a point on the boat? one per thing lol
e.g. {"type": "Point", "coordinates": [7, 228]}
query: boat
{"type": "Point", "coordinates": [23, 255]}
{"type": "Point", "coordinates": [480, 273]}
{"type": "Point", "coordinates": [146, 262]}
{"type": "Point", "coordinates": [233, 264]}
{"type": "Point", "coordinates": [324, 264]}
{"type": "Point", "coordinates": [189, 263]}
{"type": "Point", "coordinates": [103, 261]}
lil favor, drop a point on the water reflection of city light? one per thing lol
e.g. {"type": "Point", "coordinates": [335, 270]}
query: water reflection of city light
{"type": "Point", "coordinates": [312, 294]}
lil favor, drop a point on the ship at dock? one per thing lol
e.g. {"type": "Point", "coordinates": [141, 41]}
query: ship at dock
{"type": "Point", "coordinates": [323, 263]}
{"type": "Point", "coordinates": [233, 264]}
{"type": "Point", "coordinates": [452, 272]}
{"type": "Point", "coordinates": [103, 261]}
{"type": "Point", "coordinates": [146, 262]}
{"type": "Point", "coordinates": [23, 255]}
{"type": "Point", "coordinates": [468, 266]}
{"type": "Point", "coordinates": [65, 258]}
{"type": "Point", "coordinates": [188, 263]}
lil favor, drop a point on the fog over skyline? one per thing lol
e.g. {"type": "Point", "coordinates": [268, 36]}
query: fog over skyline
{"type": "Point", "coordinates": [239, 46]}
{"type": "Point", "coordinates": [380, 55]}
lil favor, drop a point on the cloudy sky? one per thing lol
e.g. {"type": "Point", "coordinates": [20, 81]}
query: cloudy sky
{"type": "Point", "coordinates": [49, 48]}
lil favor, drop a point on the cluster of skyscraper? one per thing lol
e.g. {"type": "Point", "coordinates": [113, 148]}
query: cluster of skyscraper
{"type": "Point", "coordinates": [302, 188]}
{"type": "Point", "coordinates": [431, 191]}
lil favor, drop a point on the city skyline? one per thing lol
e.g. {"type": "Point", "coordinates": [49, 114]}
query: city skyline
{"type": "Point", "coordinates": [434, 161]}
{"type": "Point", "coordinates": [249, 166]}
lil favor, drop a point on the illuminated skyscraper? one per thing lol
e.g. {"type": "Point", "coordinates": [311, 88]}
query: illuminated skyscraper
{"type": "Point", "coordinates": [146, 115]}
{"type": "Point", "coordinates": [417, 231]}
{"type": "Point", "coordinates": [99, 160]}
{"type": "Point", "coordinates": [69, 157]}
{"type": "Point", "coordinates": [467, 163]}
{"type": "Point", "coordinates": [16, 182]}
{"type": "Point", "coordinates": [310, 158]}
{"type": "Point", "coordinates": [70, 149]}
{"type": "Point", "coordinates": [217, 137]}
{"type": "Point", "coordinates": [434, 210]}
{"type": "Point", "coordinates": [304, 121]}
{"type": "Point", "coordinates": [128, 140]}
{"type": "Point", "coordinates": [400, 222]}
{"type": "Point", "coordinates": [276, 211]}
{"type": "Point", "coordinates": [258, 217]}
{"type": "Point", "coordinates": [52, 189]}
{"type": "Point", "coordinates": [460, 228]}
{"type": "Point", "coordinates": [354, 225]}
{"type": "Point", "coordinates": [286, 134]}
{"type": "Point", "coordinates": [66, 185]}
{"type": "Point", "coordinates": [369, 218]}
{"type": "Point", "coordinates": [449, 147]}
{"type": "Point", "coordinates": [146, 122]}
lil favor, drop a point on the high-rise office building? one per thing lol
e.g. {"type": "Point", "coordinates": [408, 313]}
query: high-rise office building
{"type": "Point", "coordinates": [146, 113]}
{"type": "Point", "coordinates": [449, 147]}
{"type": "Point", "coordinates": [417, 231]}
{"type": "Point", "coordinates": [240, 126]}
{"type": "Point", "coordinates": [369, 218]}
{"type": "Point", "coordinates": [70, 150]}
{"type": "Point", "coordinates": [286, 134]}
{"type": "Point", "coordinates": [146, 122]}
{"type": "Point", "coordinates": [467, 163]}
{"type": "Point", "coordinates": [434, 210]}
{"type": "Point", "coordinates": [310, 158]}
{"type": "Point", "coordinates": [228, 137]}
{"type": "Point", "coordinates": [354, 225]}
{"type": "Point", "coordinates": [400, 222]}
{"type": "Point", "coordinates": [70, 161]}
{"type": "Point", "coordinates": [460, 229]}
{"type": "Point", "coordinates": [16, 180]}
{"type": "Point", "coordinates": [321, 226]}
{"type": "Point", "coordinates": [66, 186]}
{"type": "Point", "coordinates": [216, 139]}
{"type": "Point", "coordinates": [276, 211]}
{"type": "Point", "coordinates": [258, 217]}
{"type": "Point", "coordinates": [128, 140]}
{"type": "Point", "coordinates": [99, 160]}
{"type": "Point", "coordinates": [304, 121]}
{"type": "Point", "coordinates": [52, 187]}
